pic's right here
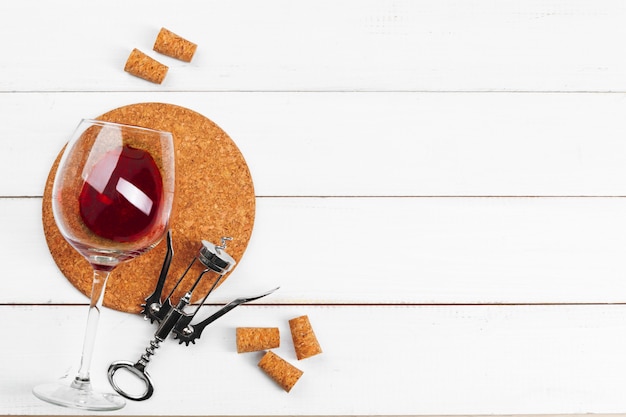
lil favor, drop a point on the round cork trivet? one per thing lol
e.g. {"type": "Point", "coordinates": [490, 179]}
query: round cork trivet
{"type": "Point", "coordinates": [214, 197]}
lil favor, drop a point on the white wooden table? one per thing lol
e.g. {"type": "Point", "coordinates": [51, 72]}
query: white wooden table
{"type": "Point", "coordinates": [442, 181]}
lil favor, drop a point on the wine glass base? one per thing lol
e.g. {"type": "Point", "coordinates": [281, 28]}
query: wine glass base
{"type": "Point", "coordinates": [78, 395]}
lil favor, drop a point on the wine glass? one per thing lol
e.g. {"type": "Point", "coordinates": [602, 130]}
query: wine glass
{"type": "Point", "coordinates": [111, 198]}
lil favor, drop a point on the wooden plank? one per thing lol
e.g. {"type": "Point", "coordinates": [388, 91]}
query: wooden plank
{"type": "Point", "coordinates": [377, 360]}
{"type": "Point", "coordinates": [386, 250]}
{"type": "Point", "coordinates": [366, 144]}
{"type": "Point", "coordinates": [453, 45]}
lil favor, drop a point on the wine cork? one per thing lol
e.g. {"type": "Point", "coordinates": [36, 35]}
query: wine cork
{"type": "Point", "coordinates": [282, 372]}
{"type": "Point", "coordinates": [143, 66]}
{"type": "Point", "coordinates": [172, 45]}
{"type": "Point", "coordinates": [304, 341]}
{"type": "Point", "coordinates": [252, 339]}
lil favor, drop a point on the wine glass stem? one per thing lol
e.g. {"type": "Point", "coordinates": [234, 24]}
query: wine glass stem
{"type": "Point", "coordinates": [100, 277]}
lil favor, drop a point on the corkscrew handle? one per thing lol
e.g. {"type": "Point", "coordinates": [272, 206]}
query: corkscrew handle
{"type": "Point", "coordinates": [138, 370]}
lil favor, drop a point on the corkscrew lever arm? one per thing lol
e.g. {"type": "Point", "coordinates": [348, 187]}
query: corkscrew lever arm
{"type": "Point", "coordinates": [188, 333]}
{"type": "Point", "coordinates": [153, 305]}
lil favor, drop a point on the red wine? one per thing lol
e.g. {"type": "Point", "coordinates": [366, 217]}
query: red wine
{"type": "Point", "coordinates": [121, 196]}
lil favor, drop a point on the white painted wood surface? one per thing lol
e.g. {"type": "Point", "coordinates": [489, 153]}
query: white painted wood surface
{"type": "Point", "coordinates": [443, 181]}
{"type": "Point", "coordinates": [370, 144]}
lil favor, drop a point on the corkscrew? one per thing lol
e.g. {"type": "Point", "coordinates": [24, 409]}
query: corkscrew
{"type": "Point", "coordinates": [174, 318]}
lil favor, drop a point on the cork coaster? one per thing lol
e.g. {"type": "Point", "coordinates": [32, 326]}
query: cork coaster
{"type": "Point", "coordinates": [214, 198]}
